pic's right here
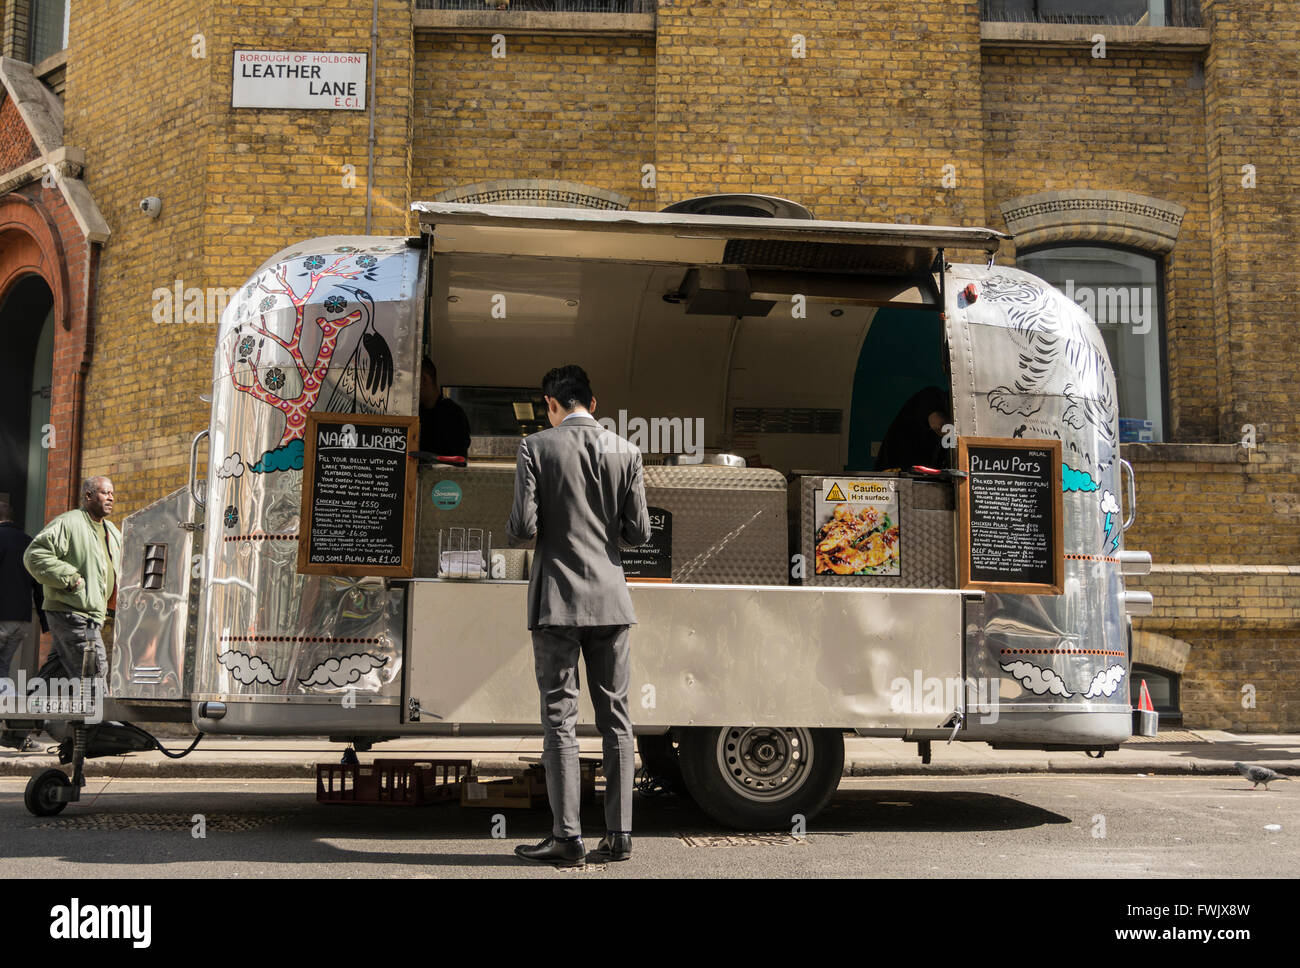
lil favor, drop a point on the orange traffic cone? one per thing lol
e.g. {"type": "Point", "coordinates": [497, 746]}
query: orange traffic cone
{"type": "Point", "coordinates": [1144, 701]}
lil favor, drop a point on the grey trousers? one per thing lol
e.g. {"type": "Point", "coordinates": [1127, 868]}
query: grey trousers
{"type": "Point", "coordinates": [72, 632]}
{"type": "Point", "coordinates": [604, 648]}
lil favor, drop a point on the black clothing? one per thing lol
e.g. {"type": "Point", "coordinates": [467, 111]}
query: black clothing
{"type": "Point", "coordinates": [444, 429]}
{"type": "Point", "coordinates": [909, 439]}
{"type": "Point", "coordinates": [18, 589]}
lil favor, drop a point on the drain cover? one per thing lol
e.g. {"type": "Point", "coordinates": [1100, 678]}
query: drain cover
{"type": "Point", "coordinates": [743, 840]}
{"type": "Point", "coordinates": [216, 822]}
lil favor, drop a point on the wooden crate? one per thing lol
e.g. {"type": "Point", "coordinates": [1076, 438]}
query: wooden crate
{"type": "Point", "coordinates": [392, 782]}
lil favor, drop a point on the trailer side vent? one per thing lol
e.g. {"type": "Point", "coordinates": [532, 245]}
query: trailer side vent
{"type": "Point", "coordinates": [786, 420]}
{"type": "Point", "coordinates": [823, 256]}
{"type": "Point", "coordinates": [155, 567]}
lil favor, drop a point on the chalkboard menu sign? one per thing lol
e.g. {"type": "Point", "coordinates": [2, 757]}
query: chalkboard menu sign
{"type": "Point", "coordinates": [652, 561]}
{"type": "Point", "coordinates": [358, 495]}
{"type": "Point", "coordinates": [1011, 516]}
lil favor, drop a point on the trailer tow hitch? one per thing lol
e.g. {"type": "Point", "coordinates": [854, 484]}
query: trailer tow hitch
{"type": "Point", "coordinates": [957, 720]}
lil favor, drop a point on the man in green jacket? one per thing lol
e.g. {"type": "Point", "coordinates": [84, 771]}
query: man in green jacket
{"type": "Point", "coordinates": [77, 558]}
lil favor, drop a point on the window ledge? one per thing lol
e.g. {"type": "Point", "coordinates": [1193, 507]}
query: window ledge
{"type": "Point", "coordinates": [51, 64]}
{"type": "Point", "coordinates": [1000, 34]}
{"type": "Point", "coordinates": [1185, 453]}
{"type": "Point", "coordinates": [533, 22]}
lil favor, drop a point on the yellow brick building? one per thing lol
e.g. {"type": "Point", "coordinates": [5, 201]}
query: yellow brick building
{"type": "Point", "coordinates": [1164, 134]}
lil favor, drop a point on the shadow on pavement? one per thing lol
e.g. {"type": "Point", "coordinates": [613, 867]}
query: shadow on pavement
{"type": "Point", "coordinates": [291, 828]}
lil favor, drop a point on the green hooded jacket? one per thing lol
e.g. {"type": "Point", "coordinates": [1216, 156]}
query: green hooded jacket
{"type": "Point", "coordinates": [72, 545]}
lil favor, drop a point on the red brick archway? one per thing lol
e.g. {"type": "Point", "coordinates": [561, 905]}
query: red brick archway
{"type": "Point", "coordinates": [39, 235]}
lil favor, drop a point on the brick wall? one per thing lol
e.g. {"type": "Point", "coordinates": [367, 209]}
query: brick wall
{"type": "Point", "coordinates": [16, 145]}
{"type": "Point", "coordinates": [860, 128]}
{"type": "Point", "coordinates": [1062, 119]}
{"type": "Point", "coordinates": [1252, 94]}
{"type": "Point", "coordinates": [135, 101]}
{"type": "Point", "coordinates": [575, 108]}
{"type": "Point", "coordinates": [236, 185]}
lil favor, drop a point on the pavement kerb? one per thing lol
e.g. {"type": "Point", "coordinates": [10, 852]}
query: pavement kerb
{"type": "Point", "coordinates": [153, 766]}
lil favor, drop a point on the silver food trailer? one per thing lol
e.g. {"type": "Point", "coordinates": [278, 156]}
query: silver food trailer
{"type": "Point", "coordinates": [753, 360]}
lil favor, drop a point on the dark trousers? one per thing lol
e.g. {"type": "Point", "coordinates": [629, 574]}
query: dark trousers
{"type": "Point", "coordinates": [73, 633]}
{"type": "Point", "coordinates": [604, 649]}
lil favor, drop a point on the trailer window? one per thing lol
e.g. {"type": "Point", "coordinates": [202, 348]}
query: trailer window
{"type": "Point", "coordinates": [1123, 291]}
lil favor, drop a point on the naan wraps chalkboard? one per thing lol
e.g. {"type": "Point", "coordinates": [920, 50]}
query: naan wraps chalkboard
{"type": "Point", "coordinates": [358, 495]}
{"type": "Point", "coordinates": [1011, 527]}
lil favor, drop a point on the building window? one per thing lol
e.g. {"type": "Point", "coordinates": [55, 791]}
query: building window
{"type": "Point", "coordinates": [1163, 687]}
{"type": "Point", "coordinates": [1135, 13]}
{"type": "Point", "coordinates": [48, 29]}
{"type": "Point", "coordinates": [1123, 291]}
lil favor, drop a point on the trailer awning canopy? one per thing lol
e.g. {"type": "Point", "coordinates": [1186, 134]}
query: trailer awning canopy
{"type": "Point", "coordinates": [773, 244]}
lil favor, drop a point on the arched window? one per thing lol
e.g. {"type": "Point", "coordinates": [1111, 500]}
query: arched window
{"type": "Point", "coordinates": [1123, 291]}
{"type": "Point", "coordinates": [1164, 689]}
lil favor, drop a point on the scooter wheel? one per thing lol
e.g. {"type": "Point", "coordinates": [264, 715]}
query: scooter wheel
{"type": "Point", "coordinates": [39, 797]}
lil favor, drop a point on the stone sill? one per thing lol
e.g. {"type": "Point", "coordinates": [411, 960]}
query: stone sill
{"type": "Point", "coordinates": [51, 64]}
{"type": "Point", "coordinates": [1216, 570]}
{"type": "Point", "coordinates": [1184, 453]}
{"type": "Point", "coordinates": [533, 22]}
{"type": "Point", "coordinates": [1081, 35]}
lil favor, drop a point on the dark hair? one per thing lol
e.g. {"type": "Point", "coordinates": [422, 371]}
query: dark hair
{"type": "Point", "coordinates": [568, 385]}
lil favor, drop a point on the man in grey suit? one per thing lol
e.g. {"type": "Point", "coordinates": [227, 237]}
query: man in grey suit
{"type": "Point", "coordinates": [578, 489]}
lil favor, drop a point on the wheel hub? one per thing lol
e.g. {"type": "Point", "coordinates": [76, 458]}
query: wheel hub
{"type": "Point", "coordinates": [765, 762]}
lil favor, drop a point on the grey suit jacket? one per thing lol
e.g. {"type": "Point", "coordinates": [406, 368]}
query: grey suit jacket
{"type": "Point", "coordinates": [578, 489]}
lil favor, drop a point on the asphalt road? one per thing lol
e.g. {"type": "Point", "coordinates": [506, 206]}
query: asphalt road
{"type": "Point", "coordinates": [923, 827]}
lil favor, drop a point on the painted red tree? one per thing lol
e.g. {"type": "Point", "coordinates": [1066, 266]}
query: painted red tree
{"type": "Point", "coordinates": [295, 409]}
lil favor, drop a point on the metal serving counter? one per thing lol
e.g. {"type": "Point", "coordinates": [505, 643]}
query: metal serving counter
{"type": "Point", "coordinates": [701, 655]}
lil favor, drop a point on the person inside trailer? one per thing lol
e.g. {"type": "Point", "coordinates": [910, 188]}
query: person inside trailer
{"type": "Point", "coordinates": [444, 428]}
{"type": "Point", "coordinates": [915, 436]}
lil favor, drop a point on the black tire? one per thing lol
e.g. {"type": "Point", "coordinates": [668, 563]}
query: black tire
{"type": "Point", "coordinates": [659, 759]}
{"type": "Point", "coordinates": [38, 797]}
{"type": "Point", "coordinates": [787, 771]}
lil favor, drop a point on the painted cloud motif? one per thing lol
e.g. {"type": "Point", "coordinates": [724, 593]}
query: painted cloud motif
{"type": "Point", "coordinates": [1036, 680]}
{"type": "Point", "coordinates": [1105, 683]}
{"type": "Point", "coordinates": [248, 669]}
{"type": "Point", "coordinates": [343, 672]}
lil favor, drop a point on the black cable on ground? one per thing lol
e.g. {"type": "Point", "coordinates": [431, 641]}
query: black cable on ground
{"type": "Point", "coordinates": [169, 753]}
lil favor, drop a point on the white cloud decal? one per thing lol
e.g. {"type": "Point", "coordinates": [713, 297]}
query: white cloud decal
{"type": "Point", "coordinates": [248, 669]}
{"type": "Point", "coordinates": [1105, 683]}
{"type": "Point", "coordinates": [343, 672]}
{"type": "Point", "coordinates": [232, 466]}
{"type": "Point", "coordinates": [1108, 503]}
{"type": "Point", "coordinates": [1036, 680]}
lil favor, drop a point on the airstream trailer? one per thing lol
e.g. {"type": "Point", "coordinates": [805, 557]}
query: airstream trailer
{"type": "Point", "coordinates": [757, 360]}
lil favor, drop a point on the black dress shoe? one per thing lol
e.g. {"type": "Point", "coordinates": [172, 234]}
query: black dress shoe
{"type": "Point", "coordinates": [613, 846]}
{"type": "Point", "coordinates": [562, 853]}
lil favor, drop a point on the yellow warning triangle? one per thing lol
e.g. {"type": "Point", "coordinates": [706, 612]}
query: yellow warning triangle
{"type": "Point", "coordinates": [836, 494]}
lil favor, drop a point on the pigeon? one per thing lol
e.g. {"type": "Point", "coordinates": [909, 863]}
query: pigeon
{"type": "Point", "coordinates": [1259, 774]}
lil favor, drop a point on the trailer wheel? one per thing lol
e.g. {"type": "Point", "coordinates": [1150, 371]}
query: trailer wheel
{"type": "Point", "coordinates": [759, 777]}
{"type": "Point", "coordinates": [39, 797]}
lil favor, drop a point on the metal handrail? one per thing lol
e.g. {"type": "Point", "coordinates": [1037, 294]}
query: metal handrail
{"type": "Point", "coordinates": [194, 468]}
{"type": "Point", "coordinates": [1132, 494]}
